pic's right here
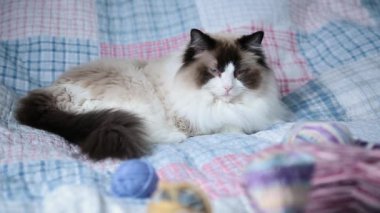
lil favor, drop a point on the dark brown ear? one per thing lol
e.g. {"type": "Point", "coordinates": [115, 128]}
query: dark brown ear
{"type": "Point", "coordinates": [200, 41]}
{"type": "Point", "coordinates": [252, 41]}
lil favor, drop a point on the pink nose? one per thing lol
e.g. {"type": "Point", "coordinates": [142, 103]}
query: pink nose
{"type": "Point", "coordinates": [228, 89]}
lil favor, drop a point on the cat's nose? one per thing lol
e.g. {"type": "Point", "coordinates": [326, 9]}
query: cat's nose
{"type": "Point", "coordinates": [228, 89]}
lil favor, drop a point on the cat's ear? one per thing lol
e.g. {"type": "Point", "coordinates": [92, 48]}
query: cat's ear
{"type": "Point", "coordinates": [252, 41]}
{"type": "Point", "coordinates": [200, 41]}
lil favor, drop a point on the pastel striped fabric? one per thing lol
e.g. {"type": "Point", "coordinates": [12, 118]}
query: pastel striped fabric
{"type": "Point", "coordinates": [325, 55]}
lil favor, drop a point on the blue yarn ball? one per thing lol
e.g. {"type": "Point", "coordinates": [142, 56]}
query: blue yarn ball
{"type": "Point", "coordinates": [134, 178]}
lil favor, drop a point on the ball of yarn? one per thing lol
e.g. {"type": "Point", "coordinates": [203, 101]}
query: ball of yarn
{"type": "Point", "coordinates": [134, 178]}
{"type": "Point", "coordinates": [319, 132]}
{"type": "Point", "coordinates": [279, 182]}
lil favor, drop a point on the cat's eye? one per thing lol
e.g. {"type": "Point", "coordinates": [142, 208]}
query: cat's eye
{"type": "Point", "coordinates": [240, 71]}
{"type": "Point", "coordinates": [215, 71]}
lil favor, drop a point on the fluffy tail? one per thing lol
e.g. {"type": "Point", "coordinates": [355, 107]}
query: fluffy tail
{"type": "Point", "coordinates": [100, 134]}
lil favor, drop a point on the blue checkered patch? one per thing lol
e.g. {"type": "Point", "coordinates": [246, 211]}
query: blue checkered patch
{"type": "Point", "coordinates": [125, 22]}
{"type": "Point", "coordinates": [338, 43]}
{"type": "Point", "coordinates": [36, 62]}
{"type": "Point", "coordinates": [31, 181]}
{"type": "Point", "coordinates": [314, 102]}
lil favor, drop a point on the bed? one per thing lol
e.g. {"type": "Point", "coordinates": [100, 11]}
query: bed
{"type": "Point", "coordinates": [325, 55]}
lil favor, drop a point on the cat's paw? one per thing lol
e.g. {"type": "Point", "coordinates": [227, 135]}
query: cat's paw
{"type": "Point", "coordinates": [231, 129]}
{"type": "Point", "coordinates": [174, 137]}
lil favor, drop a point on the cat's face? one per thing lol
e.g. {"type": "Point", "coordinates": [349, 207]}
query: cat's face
{"type": "Point", "coordinates": [224, 67]}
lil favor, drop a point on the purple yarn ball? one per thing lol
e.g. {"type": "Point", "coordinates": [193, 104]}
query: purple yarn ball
{"type": "Point", "coordinates": [134, 178]}
{"type": "Point", "coordinates": [319, 132]}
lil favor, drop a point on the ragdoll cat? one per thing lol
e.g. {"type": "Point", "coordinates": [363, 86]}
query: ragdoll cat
{"type": "Point", "coordinates": [115, 108]}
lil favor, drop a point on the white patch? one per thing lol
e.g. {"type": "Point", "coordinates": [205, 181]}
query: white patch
{"type": "Point", "coordinates": [226, 87]}
{"type": "Point", "coordinates": [230, 68]}
{"type": "Point", "coordinates": [227, 77]}
{"type": "Point", "coordinates": [252, 111]}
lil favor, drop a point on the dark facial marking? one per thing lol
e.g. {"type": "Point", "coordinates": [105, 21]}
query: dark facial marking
{"type": "Point", "coordinates": [203, 75]}
{"type": "Point", "coordinates": [188, 57]}
{"type": "Point", "coordinates": [225, 54]}
{"type": "Point", "coordinates": [251, 78]}
{"type": "Point", "coordinates": [215, 71]}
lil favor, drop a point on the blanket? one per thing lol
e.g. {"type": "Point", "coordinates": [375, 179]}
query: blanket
{"type": "Point", "coordinates": [325, 55]}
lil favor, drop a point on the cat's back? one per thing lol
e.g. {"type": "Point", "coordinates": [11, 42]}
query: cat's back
{"type": "Point", "coordinates": [105, 83]}
{"type": "Point", "coordinates": [105, 72]}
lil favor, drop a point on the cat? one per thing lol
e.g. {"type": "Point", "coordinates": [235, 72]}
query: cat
{"type": "Point", "coordinates": [114, 108]}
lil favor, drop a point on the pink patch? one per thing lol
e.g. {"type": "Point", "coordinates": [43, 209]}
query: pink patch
{"type": "Point", "coordinates": [72, 18]}
{"type": "Point", "coordinates": [285, 59]}
{"type": "Point", "coordinates": [146, 50]}
{"type": "Point", "coordinates": [218, 178]}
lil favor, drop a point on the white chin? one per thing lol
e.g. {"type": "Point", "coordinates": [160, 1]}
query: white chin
{"type": "Point", "coordinates": [225, 98]}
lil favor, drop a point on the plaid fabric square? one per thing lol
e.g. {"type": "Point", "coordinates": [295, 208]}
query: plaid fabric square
{"type": "Point", "coordinates": [217, 15]}
{"type": "Point", "coordinates": [26, 18]}
{"type": "Point", "coordinates": [37, 61]}
{"type": "Point", "coordinates": [315, 102]}
{"type": "Point", "coordinates": [356, 87]}
{"type": "Point", "coordinates": [350, 92]}
{"type": "Point", "coordinates": [35, 179]}
{"type": "Point", "coordinates": [7, 101]}
{"type": "Point", "coordinates": [312, 15]}
{"type": "Point", "coordinates": [201, 149]}
{"type": "Point", "coordinates": [126, 22]}
{"type": "Point", "coordinates": [338, 43]}
{"type": "Point", "coordinates": [284, 58]}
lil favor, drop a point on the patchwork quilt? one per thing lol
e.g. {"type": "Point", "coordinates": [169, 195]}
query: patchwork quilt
{"type": "Point", "coordinates": [325, 55]}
